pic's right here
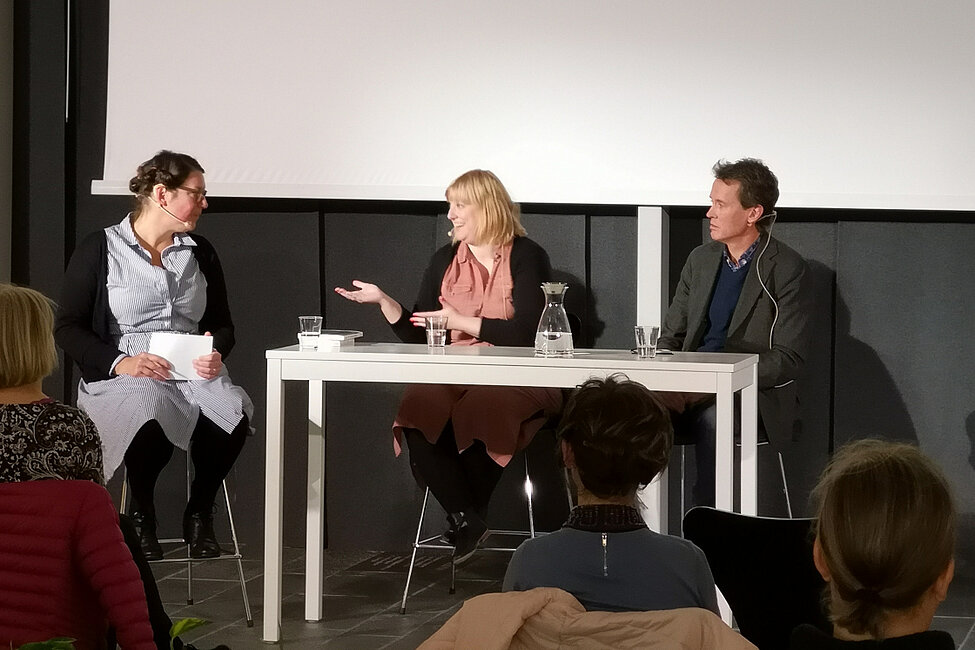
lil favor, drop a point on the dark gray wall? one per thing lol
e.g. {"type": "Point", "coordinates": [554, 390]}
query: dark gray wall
{"type": "Point", "coordinates": [891, 353]}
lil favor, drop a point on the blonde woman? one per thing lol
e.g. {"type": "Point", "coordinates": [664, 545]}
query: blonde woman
{"type": "Point", "coordinates": [486, 283]}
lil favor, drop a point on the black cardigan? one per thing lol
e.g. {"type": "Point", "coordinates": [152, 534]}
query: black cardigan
{"type": "Point", "coordinates": [530, 267]}
{"type": "Point", "coordinates": [808, 637]}
{"type": "Point", "coordinates": [82, 326]}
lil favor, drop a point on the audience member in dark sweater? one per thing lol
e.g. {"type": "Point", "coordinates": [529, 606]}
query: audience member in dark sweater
{"type": "Point", "coordinates": [885, 542]}
{"type": "Point", "coordinates": [615, 437]}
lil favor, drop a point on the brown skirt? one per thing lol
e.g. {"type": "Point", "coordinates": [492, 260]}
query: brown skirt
{"type": "Point", "coordinates": [504, 418]}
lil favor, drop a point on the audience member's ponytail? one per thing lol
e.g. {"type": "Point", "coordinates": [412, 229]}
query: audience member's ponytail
{"type": "Point", "coordinates": [886, 529]}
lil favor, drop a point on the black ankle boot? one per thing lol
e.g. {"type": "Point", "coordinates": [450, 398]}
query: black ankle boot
{"type": "Point", "coordinates": [449, 536]}
{"type": "Point", "coordinates": [470, 531]}
{"type": "Point", "coordinates": [145, 524]}
{"type": "Point", "coordinates": [199, 535]}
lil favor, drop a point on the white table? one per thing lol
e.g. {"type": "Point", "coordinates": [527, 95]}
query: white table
{"type": "Point", "coordinates": [720, 373]}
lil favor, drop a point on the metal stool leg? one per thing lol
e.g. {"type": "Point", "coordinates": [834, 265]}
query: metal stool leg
{"type": "Point", "coordinates": [416, 545]}
{"type": "Point", "coordinates": [428, 543]}
{"type": "Point", "coordinates": [189, 562]}
{"type": "Point", "coordinates": [237, 555]}
{"type": "Point", "coordinates": [125, 491]}
{"type": "Point", "coordinates": [568, 487]}
{"type": "Point", "coordinates": [785, 487]}
{"type": "Point", "coordinates": [683, 477]}
{"type": "Point", "coordinates": [529, 489]}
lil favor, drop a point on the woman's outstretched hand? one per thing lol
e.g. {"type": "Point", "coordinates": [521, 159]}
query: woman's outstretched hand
{"type": "Point", "coordinates": [364, 292]}
{"type": "Point", "coordinates": [367, 293]}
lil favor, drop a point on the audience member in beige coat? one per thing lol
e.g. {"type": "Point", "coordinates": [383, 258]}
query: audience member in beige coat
{"type": "Point", "coordinates": [551, 618]}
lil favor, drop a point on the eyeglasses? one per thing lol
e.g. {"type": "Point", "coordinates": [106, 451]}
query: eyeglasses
{"type": "Point", "coordinates": [197, 192]}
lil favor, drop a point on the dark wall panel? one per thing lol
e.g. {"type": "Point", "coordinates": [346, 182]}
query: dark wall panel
{"type": "Point", "coordinates": [37, 189]}
{"type": "Point", "coordinates": [372, 499]}
{"type": "Point", "coordinates": [612, 308]}
{"type": "Point", "coordinates": [563, 237]}
{"type": "Point", "coordinates": [271, 263]}
{"type": "Point", "coordinates": [904, 349]}
{"type": "Point", "coordinates": [816, 242]}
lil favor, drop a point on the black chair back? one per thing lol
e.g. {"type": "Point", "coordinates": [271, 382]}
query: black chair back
{"type": "Point", "coordinates": [764, 568]}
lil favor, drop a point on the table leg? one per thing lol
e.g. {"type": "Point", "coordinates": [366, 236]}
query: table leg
{"type": "Point", "coordinates": [314, 517]}
{"type": "Point", "coordinates": [749, 446]}
{"type": "Point", "coordinates": [273, 503]}
{"type": "Point", "coordinates": [724, 451]}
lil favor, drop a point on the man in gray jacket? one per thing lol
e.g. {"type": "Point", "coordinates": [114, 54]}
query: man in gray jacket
{"type": "Point", "coordinates": [742, 292]}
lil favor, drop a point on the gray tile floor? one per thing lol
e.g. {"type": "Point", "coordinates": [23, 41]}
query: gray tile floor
{"type": "Point", "coordinates": [363, 590]}
{"type": "Point", "coordinates": [362, 599]}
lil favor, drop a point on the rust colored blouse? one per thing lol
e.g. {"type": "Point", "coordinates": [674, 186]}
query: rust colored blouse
{"type": "Point", "coordinates": [505, 418]}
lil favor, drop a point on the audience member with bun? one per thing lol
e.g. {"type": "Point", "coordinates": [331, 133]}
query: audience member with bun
{"type": "Point", "coordinates": [615, 437]}
{"type": "Point", "coordinates": [885, 542]}
{"type": "Point", "coordinates": [148, 274]}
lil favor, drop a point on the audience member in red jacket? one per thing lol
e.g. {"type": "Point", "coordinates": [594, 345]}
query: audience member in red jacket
{"type": "Point", "coordinates": [65, 569]}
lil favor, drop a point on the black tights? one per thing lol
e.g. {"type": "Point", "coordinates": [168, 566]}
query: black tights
{"type": "Point", "coordinates": [213, 453]}
{"type": "Point", "coordinates": [460, 482]}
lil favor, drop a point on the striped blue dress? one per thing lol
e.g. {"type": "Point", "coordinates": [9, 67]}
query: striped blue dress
{"type": "Point", "coordinates": [144, 299]}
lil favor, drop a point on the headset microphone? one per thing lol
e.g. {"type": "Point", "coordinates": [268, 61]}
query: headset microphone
{"type": "Point", "coordinates": [758, 271]}
{"type": "Point", "coordinates": [163, 208]}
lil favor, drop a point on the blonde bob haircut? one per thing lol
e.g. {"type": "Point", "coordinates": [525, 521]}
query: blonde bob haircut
{"type": "Point", "coordinates": [885, 523]}
{"type": "Point", "coordinates": [500, 218]}
{"type": "Point", "coordinates": [26, 336]}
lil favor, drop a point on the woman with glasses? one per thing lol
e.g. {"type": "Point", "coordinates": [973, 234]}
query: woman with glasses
{"type": "Point", "coordinates": [143, 275]}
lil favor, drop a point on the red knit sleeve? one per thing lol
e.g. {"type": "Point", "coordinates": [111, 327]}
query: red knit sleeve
{"type": "Point", "coordinates": [105, 560]}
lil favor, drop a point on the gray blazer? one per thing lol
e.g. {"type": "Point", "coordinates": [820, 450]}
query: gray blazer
{"type": "Point", "coordinates": [785, 274]}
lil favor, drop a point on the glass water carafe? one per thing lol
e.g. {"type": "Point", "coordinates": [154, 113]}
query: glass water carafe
{"type": "Point", "coordinates": [554, 337]}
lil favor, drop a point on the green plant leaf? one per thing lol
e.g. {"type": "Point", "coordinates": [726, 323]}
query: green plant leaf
{"type": "Point", "coordinates": [184, 625]}
{"type": "Point", "coordinates": [57, 643]}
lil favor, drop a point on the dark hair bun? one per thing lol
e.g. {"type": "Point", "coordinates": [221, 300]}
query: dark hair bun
{"type": "Point", "coordinates": [166, 167]}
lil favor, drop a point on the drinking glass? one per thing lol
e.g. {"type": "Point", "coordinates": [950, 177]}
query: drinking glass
{"type": "Point", "coordinates": [646, 340]}
{"type": "Point", "coordinates": [309, 327]}
{"type": "Point", "coordinates": [436, 331]}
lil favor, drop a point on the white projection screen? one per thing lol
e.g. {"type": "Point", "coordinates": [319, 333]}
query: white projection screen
{"type": "Point", "coordinates": [854, 104]}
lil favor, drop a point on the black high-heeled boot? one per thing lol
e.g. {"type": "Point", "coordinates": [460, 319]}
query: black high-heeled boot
{"type": "Point", "coordinates": [199, 535]}
{"type": "Point", "coordinates": [145, 524]}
